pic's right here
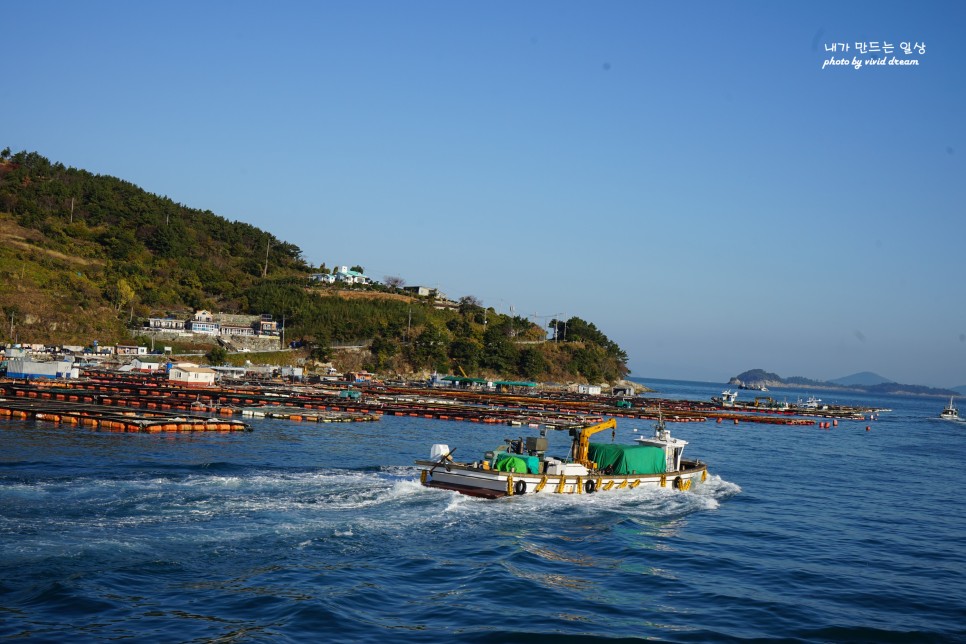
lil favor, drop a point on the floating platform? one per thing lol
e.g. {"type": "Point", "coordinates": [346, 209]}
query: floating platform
{"type": "Point", "coordinates": [327, 403]}
{"type": "Point", "coordinates": [108, 418]}
{"type": "Point", "coordinates": [310, 415]}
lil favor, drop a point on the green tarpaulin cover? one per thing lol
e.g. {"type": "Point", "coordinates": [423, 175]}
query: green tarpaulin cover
{"type": "Point", "coordinates": [510, 463]}
{"type": "Point", "coordinates": [628, 459]}
{"type": "Point", "coordinates": [530, 464]}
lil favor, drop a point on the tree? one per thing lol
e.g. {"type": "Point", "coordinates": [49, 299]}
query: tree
{"type": "Point", "coordinates": [121, 294]}
{"type": "Point", "coordinates": [217, 355]}
{"type": "Point", "coordinates": [499, 354]}
{"type": "Point", "coordinates": [428, 349]}
{"type": "Point", "coordinates": [382, 350]}
{"type": "Point", "coordinates": [392, 281]}
{"type": "Point", "coordinates": [470, 304]}
{"type": "Point", "coordinates": [320, 352]}
{"type": "Point", "coordinates": [466, 353]}
{"type": "Point", "coordinates": [357, 269]}
{"type": "Point", "coordinates": [531, 363]}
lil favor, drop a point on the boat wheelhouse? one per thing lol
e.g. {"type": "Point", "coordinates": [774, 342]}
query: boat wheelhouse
{"type": "Point", "coordinates": [950, 412]}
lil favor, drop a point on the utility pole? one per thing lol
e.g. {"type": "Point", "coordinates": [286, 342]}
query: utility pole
{"type": "Point", "coordinates": [71, 210]}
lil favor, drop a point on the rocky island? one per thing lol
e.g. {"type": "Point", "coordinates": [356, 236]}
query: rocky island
{"type": "Point", "coordinates": [759, 378]}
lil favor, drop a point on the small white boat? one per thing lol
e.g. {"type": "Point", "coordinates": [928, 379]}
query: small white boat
{"type": "Point", "coordinates": [811, 404]}
{"type": "Point", "coordinates": [727, 398]}
{"type": "Point", "coordinates": [523, 466]}
{"type": "Point", "coordinates": [950, 412]}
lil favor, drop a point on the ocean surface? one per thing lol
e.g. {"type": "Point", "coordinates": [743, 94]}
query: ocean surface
{"type": "Point", "coordinates": [321, 532]}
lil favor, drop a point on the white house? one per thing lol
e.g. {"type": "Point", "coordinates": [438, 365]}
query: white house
{"type": "Point", "coordinates": [325, 278]}
{"type": "Point", "coordinates": [166, 324]}
{"type": "Point", "coordinates": [424, 291]}
{"type": "Point", "coordinates": [145, 366]}
{"type": "Point", "coordinates": [237, 330]}
{"type": "Point", "coordinates": [203, 322]}
{"type": "Point", "coordinates": [191, 375]}
{"type": "Point", "coordinates": [130, 350]}
{"type": "Point", "coordinates": [351, 277]}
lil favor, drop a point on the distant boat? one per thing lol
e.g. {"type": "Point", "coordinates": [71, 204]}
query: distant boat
{"type": "Point", "coordinates": [950, 412]}
{"type": "Point", "coordinates": [812, 403]}
{"type": "Point", "coordinates": [727, 398]}
{"type": "Point", "coordinates": [755, 387]}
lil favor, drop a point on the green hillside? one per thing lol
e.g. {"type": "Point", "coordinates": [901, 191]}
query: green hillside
{"type": "Point", "coordinates": [88, 257]}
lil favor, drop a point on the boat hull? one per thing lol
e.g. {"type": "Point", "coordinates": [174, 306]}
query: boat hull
{"type": "Point", "coordinates": [473, 480]}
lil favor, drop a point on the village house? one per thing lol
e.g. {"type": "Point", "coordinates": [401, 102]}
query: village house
{"type": "Point", "coordinates": [203, 322]}
{"type": "Point", "coordinates": [267, 326]}
{"type": "Point", "coordinates": [191, 375]}
{"type": "Point", "coordinates": [130, 350]}
{"type": "Point", "coordinates": [145, 366]}
{"type": "Point", "coordinates": [351, 277]}
{"type": "Point", "coordinates": [325, 278]}
{"type": "Point", "coordinates": [167, 323]}
{"type": "Point", "coordinates": [236, 330]}
{"type": "Point", "coordinates": [424, 291]}
{"type": "Point", "coordinates": [592, 390]}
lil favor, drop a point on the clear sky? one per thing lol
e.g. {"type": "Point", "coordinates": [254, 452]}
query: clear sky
{"type": "Point", "coordinates": [685, 175]}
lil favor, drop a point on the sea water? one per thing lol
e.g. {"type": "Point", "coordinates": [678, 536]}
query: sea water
{"type": "Point", "coordinates": [321, 532]}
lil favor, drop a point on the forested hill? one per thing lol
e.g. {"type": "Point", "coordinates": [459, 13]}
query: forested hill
{"type": "Point", "coordinates": [87, 257]}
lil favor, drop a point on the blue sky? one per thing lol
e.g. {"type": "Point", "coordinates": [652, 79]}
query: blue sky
{"type": "Point", "coordinates": [684, 175]}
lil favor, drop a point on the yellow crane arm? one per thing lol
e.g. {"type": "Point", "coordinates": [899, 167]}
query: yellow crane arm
{"type": "Point", "coordinates": [583, 440]}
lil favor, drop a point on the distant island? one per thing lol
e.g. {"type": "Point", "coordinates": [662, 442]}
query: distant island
{"type": "Point", "coordinates": [865, 382]}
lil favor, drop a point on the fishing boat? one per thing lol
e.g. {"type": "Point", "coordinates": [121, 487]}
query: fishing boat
{"type": "Point", "coordinates": [521, 466]}
{"type": "Point", "coordinates": [727, 398]}
{"type": "Point", "coordinates": [950, 412]}
{"type": "Point", "coordinates": [812, 403]}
